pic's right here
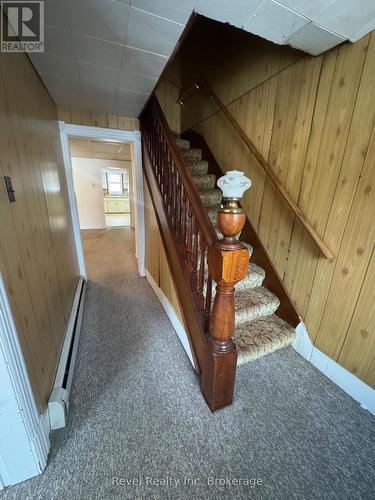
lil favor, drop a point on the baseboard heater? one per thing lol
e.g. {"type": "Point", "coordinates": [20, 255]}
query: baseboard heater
{"type": "Point", "coordinates": [58, 404]}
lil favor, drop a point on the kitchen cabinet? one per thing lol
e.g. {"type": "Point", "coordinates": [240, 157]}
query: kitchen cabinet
{"type": "Point", "coordinates": [116, 204]}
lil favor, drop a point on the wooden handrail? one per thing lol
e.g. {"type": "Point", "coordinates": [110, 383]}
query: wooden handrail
{"type": "Point", "coordinates": [197, 206]}
{"type": "Point", "coordinates": [262, 162]}
{"type": "Point", "coordinates": [287, 309]}
{"type": "Point", "coordinates": [195, 257]}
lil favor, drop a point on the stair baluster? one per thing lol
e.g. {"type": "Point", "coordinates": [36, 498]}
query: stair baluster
{"type": "Point", "coordinates": [186, 227]}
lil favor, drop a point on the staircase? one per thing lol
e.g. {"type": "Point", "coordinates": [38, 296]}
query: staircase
{"type": "Point", "coordinates": [232, 321]}
{"type": "Point", "coordinates": [258, 329]}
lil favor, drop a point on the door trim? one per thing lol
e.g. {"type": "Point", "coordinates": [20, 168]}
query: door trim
{"type": "Point", "coordinates": [24, 434]}
{"type": "Point", "coordinates": [68, 129]}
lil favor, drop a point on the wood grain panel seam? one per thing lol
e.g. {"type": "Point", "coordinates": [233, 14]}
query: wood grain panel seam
{"type": "Point", "coordinates": [306, 154]}
{"type": "Point", "coordinates": [245, 93]}
{"type": "Point", "coordinates": [356, 303]}
{"type": "Point", "coordinates": [330, 209]}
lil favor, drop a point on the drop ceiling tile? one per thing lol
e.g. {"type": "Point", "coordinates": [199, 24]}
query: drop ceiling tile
{"type": "Point", "coordinates": [104, 19]}
{"type": "Point", "coordinates": [307, 8]}
{"type": "Point", "coordinates": [96, 51]}
{"type": "Point", "coordinates": [139, 83]}
{"type": "Point", "coordinates": [57, 13]}
{"type": "Point", "coordinates": [129, 103]}
{"type": "Point", "coordinates": [347, 18]}
{"type": "Point", "coordinates": [66, 93]}
{"type": "Point", "coordinates": [99, 98]}
{"type": "Point", "coordinates": [152, 33]}
{"type": "Point", "coordinates": [236, 13]}
{"type": "Point", "coordinates": [178, 11]}
{"type": "Point", "coordinates": [54, 65]}
{"type": "Point", "coordinates": [100, 104]}
{"type": "Point", "coordinates": [59, 42]}
{"type": "Point", "coordinates": [275, 22]}
{"type": "Point", "coordinates": [314, 39]}
{"type": "Point", "coordinates": [142, 62]}
{"type": "Point", "coordinates": [51, 80]}
{"type": "Point", "coordinates": [93, 76]}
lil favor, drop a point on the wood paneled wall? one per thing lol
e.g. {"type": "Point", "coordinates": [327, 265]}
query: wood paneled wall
{"type": "Point", "coordinates": [156, 260]}
{"type": "Point", "coordinates": [94, 119]}
{"type": "Point", "coordinates": [168, 91]}
{"type": "Point", "coordinates": [313, 119]}
{"type": "Point", "coordinates": [37, 252]}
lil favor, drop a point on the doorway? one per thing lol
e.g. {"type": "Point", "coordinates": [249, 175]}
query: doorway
{"type": "Point", "coordinates": [102, 178]}
{"type": "Point", "coordinates": [116, 180]}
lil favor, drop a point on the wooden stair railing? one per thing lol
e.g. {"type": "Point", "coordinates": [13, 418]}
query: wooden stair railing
{"type": "Point", "coordinates": [287, 309]}
{"type": "Point", "coordinates": [190, 241]}
{"type": "Point", "coordinates": [201, 85]}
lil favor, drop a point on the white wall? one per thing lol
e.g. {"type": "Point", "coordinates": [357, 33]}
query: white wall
{"type": "Point", "coordinates": [89, 192]}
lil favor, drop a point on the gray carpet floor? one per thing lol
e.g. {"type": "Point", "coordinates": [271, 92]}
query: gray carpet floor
{"type": "Point", "coordinates": [138, 419]}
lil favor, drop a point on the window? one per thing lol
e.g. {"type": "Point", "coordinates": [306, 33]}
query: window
{"type": "Point", "coordinates": [115, 185]}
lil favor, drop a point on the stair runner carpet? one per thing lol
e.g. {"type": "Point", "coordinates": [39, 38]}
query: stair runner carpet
{"type": "Point", "coordinates": [259, 330]}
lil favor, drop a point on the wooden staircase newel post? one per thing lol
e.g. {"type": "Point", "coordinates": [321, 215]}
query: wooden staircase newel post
{"type": "Point", "coordinates": [228, 263]}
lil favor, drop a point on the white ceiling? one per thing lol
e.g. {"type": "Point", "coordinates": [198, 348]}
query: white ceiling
{"type": "Point", "coordinates": [106, 55]}
{"type": "Point", "coordinates": [85, 147]}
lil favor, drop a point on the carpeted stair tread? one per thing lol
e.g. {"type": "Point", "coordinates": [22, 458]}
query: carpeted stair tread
{"type": "Point", "coordinates": [254, 278]}
{"type": "Point", "coordinates": [248, 246]}
{"type": "Point", "coordinates": [259, 330]}
{"type": "Point", "coordinates": [198, 168]}
{"type": "Point", "coordinates": [183, 143]}
{"type": "Point", "coordinates": [192, 155]}
{"type": "Point", "coordinates": [211, 197]}
{"type": "Point", "coordinates": [254, 303]}
{"type": "Point", "coordinates": [262, 336]}
{"type": "Point", "coordinates": [212, 213]}
{"type": "Point", "coordinates": [204, 182]}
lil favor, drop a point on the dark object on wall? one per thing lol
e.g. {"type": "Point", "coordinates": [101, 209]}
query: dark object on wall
{"type": "Point", "coordinates": [9, 188]}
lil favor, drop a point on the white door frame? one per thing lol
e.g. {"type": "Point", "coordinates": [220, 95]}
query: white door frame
{"type": "Point", "coordinates": [70, 130]}
{"type": "Point", "coordinates": [24, 434]}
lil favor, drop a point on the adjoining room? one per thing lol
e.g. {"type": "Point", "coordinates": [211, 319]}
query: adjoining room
{"type": "Point", "coordinates": [102, 176]}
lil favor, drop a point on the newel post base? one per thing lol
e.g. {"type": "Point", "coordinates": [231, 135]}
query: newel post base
{"type": "Point", "coordinates": [219, 373]}
{"type": "Point", "coordinates": [228, 263]}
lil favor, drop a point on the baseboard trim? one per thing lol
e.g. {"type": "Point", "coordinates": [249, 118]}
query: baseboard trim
{"type": "Point", "coordinates": [168, 308]}
{"type": "Point", "coordinates": [352, 385]}
{"type": "Point", "coordinates": [58, 404]}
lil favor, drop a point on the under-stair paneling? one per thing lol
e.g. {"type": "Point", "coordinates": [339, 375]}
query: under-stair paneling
{"type": "Point", "coordinates": [38, 259]}
{"type": "Point", "coordinates": [313, 120]}
{"type": "Point", "coordinates": [156, 260]}
{"type": "Point", "coordinates": [166, 281]}
{"type": "Point", "coordinates": [95, 119]}
{"type": "Point", "coordinates": [152, 237]}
